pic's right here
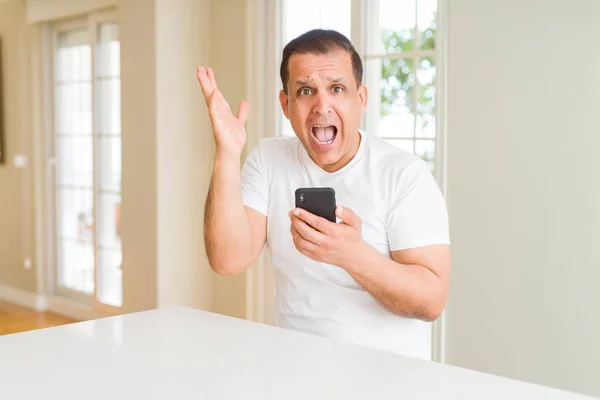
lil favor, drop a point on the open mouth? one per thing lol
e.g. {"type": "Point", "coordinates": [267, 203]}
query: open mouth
{"type": "Point", "coordinates": [324, 135]}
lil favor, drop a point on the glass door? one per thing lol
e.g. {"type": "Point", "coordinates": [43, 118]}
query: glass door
{"type": "Point", "coordinates": [108, 162]}
{"type": "Point", "coordinates": [87, 152]}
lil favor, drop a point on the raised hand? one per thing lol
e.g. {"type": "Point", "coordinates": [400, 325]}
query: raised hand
{"type": "Point", "coordinates": [229, 130]}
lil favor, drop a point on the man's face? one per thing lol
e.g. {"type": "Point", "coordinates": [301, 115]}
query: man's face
{"type": "Point", "coordinates": [325, 106]}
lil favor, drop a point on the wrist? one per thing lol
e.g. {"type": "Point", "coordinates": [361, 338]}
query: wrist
{"type": "Point", "coordinates": [226, 160]}
{"type": "Point", "coordinates": [360, 258]}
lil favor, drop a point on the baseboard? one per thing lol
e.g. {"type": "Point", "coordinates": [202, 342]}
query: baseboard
{"type": "Point", "coordinates": [70, 308]}
{"type": "Point", "coordinates": [23, 298]}
{"type": "Point", "coordinates": [38, 302]}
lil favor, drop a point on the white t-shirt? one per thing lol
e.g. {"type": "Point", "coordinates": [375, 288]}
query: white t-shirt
{"type": "Point", "coordinates": [400, 205]}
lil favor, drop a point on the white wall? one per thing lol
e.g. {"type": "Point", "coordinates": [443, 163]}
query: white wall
{"type": "Point", "coordinates": [184, 152]}
{"type": "Point", "coordinates": [228, 58]}
{"type": "Point", "coordinates": [524, 189]}
{"type": "Point", "coordinates": [167, 148]}
{"type": "Point", "coordinates": [17, 240]}
{"type": "Point", "coordinates": [139, 181]}
{"type": "Point", "coordinates": [45, 10]}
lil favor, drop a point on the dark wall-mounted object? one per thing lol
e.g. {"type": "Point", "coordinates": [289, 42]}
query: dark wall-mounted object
{"type": "Point", "coordinates": [2, 149]}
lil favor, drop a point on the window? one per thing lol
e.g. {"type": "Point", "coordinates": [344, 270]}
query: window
{"type": "Point", "coordinates": [400, 70]}
{"type": "Point", "coordinates": [87, 153]}
{"type": "Point", "coordinates": [396, 41]}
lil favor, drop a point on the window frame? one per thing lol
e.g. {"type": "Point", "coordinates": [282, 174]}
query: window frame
{"type": "Point", "coordinates": [91, 22]}
{"type": "Point", "coordinates": [360, 34]}
{"type": "Point", "coordinates": [369, 28]}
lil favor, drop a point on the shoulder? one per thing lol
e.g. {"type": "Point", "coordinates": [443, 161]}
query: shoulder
{"type": "Point", "coordinates": [390, 158]}
{"type": "Point", "coordinates": [397, 170]}
{"type": "Point", "coordinates": [275, 147]}
{"type": "Point", "coordinates": [273, 152]}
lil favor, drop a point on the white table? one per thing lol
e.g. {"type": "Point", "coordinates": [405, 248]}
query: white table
{"type": "Point", "coordinates": [181, 353]}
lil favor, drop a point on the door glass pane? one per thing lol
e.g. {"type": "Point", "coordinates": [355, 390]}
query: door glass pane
{"type": "Point", "coordinates": [75, 210]}
{"type": "Point", "coordinates": [108, 128]}
{"type": "Point", "coordinates": [397, 19]}
{"type": "Point", "coordinates": [108, 51]}
{"type": "Point", "coordinates": [302, 16]}
{"type": "Point", "coordinates": [108, 80]}
{"type": "Point", "coordinates": [109, 220]}
{"type": "Point", "coordinates": [426, 150]}
{"type": "Point", "coordinates": [108, 108]}
{"type": "Point", "coordinates": [76, 261]}
{"type": "Point", "coordinates": [73, 114]}
{"type": "Point", "coordinates": [426, 79]}
{"type": "Point", "coordinates": [426, 126]}
{"type": "Point", "coordinates": [396, 80]}
{"type": "Point", "coordinates": [426, 23]}
{"type": "Point", "coordinates": [109, 157]}
{"type": "Point", "coordinates": [74, 160]}
{"type": "Point", "coordinates": [110, 277]}
{"type": "Point", "coordinates": [426, 102]}
{"type": "Point", "coordinates": [109, 250]}
{"type": "Point", "coordinates": [73, 56]}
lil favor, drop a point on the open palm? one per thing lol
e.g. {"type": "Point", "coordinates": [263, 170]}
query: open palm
{"type": "Point", "coordinates": [229, 130]}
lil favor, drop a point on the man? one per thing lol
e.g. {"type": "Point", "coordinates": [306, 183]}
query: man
{"type": "Point", "coordinates": [379, 276]}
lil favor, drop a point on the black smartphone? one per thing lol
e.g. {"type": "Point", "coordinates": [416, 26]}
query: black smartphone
{"type": "Point", "coordinates": [319, 201]}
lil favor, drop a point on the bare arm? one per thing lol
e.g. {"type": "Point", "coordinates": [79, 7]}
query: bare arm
{"type": "Point", "coordinates": [414, 283]}
{"type": "Point", "coordinates": [234, 235]}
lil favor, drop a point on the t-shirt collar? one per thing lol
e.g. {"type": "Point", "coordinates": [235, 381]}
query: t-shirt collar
{"type": "Point", "coordinates": [310, 164]}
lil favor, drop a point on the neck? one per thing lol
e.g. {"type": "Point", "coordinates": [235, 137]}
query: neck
{"type": "Point", "coordinates": [342, 162]}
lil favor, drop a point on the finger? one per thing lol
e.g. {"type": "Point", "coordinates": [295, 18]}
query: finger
{"type": "Point", "coordinates": [304, 246]}
{"type": "Point", "coordinates": [211, 76]}
{"type": "Point", "coordinates": [217, 104]}
{"type": "Point", "coordinates": [243, 111]}
{"type": "Point", "coordinates": [319, 223]}
{"type": "Point", "coordinates": [205, 83]}
{"type": "Point", "coordinates": [308, 232]}
{"type": "Point", "coordinates": [348, 217]}
{"type": "Point", "coordinates": [310, 254]}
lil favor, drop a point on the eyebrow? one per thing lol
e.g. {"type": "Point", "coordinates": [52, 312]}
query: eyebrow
{"type": "Point", "coordinates": [331, 79]}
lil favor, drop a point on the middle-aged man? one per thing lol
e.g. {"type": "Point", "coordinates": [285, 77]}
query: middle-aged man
{"type": "Point", "coordinates": [378, 276]}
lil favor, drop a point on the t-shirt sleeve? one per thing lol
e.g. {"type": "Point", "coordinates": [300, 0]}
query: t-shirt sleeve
{"type": "Point", "coordinates": [417, 213]}
{"type": "Point", "coordinates": [255, 187]}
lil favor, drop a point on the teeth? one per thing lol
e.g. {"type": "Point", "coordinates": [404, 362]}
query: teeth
{"type": "Point", "coordinates": [327, 142]}
{"type": "Point", "coordinates": [318, 141]}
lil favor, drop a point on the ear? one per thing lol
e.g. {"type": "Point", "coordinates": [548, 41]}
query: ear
{"type": "Point", "coordinates": [283, 99]}
{"type": "Point", "coordinates": [363, 95]}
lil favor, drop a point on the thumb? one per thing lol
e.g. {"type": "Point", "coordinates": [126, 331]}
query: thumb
{"type": "Point", "coordinates": [243, 111]}
{"type": "Point", "coordinates": [348, 217]}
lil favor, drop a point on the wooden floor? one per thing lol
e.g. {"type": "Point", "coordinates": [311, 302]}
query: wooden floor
{"type": "Point", "coordinates": [14, 319]}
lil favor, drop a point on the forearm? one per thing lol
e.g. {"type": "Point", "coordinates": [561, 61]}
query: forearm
{"type": "Point", "coordinates": [227, 233]}
{"type": "Point", "coordinates": [408, 290]}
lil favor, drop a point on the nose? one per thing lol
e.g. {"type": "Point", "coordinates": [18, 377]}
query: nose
{"type": "Point", "coordinates": [322, 103]}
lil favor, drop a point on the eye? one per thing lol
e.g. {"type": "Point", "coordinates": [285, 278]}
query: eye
{"type": "Point", "coordinates": [304, 92]}
{"type": "Point", "coordinates": [337, 89]}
